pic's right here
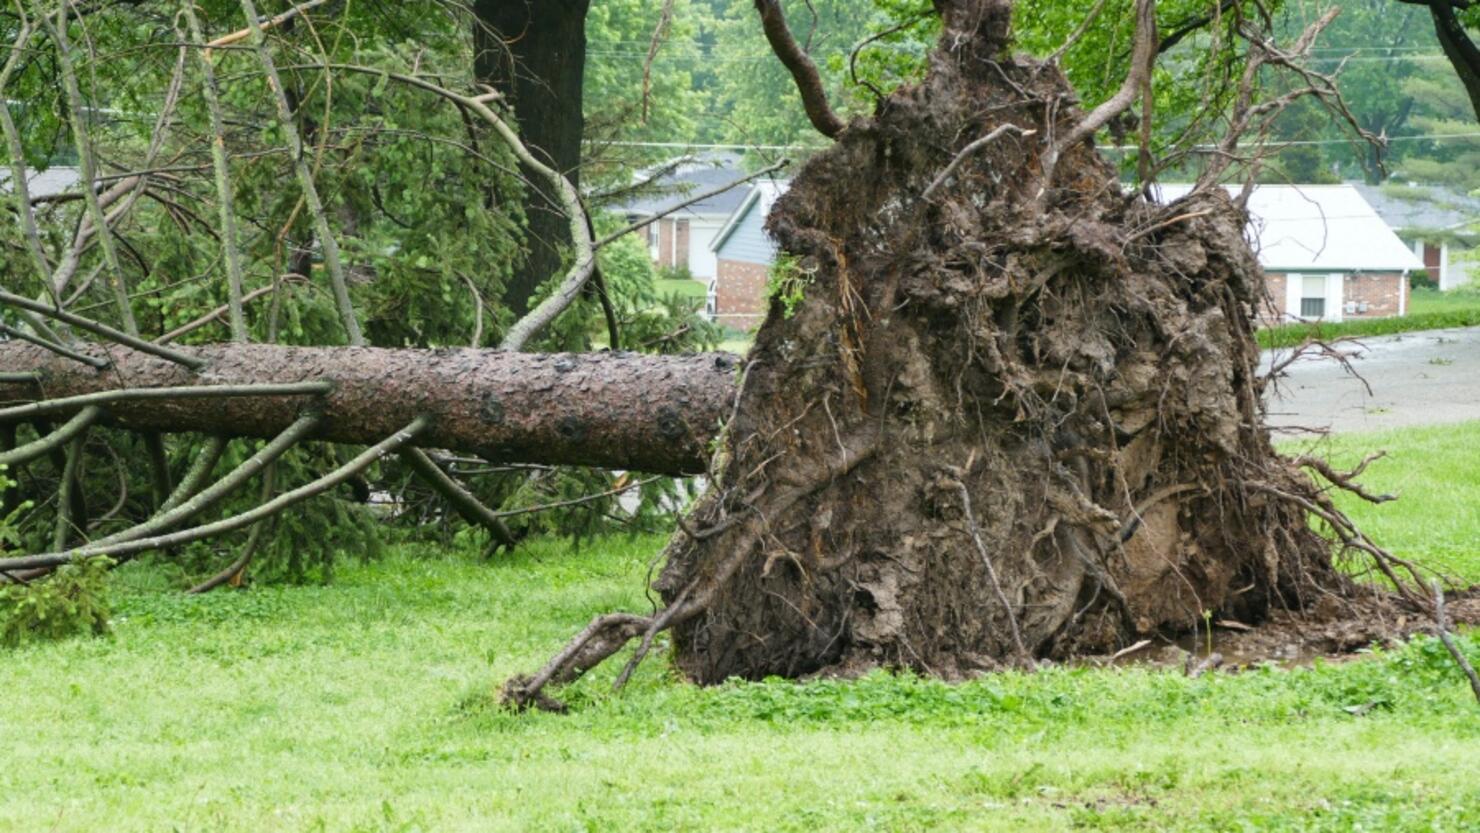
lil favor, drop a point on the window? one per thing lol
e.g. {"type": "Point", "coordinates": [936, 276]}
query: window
{"type": "Point", "coordinates": [1313, 296]}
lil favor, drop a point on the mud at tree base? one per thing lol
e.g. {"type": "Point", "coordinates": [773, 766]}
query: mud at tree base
{"type": "Point", "coordinates": [1332, 633]}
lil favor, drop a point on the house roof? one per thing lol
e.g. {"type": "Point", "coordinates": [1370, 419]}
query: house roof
{"type": "Point", "coordinates": [690, 178]}
{"type": "Point", "coordinates": [762, 195]}
{"type": "Point", "coordinates": [48, 183]}
{"type": "Point", "coordinates": [1317, 228]}
{"type": "Point", "coordinates": [1421, 207]}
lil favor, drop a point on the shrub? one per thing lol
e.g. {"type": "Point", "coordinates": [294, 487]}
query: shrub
{"type": "Point", "coordinates": [70, 602]}
{"type": "Point", "coordinates": [675, 273]}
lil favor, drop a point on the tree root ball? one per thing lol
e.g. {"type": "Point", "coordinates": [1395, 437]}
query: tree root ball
{"type": "Point", "coordinates": [1007, 422]}
{"type": "Point", "coordinates": [1015, 416]}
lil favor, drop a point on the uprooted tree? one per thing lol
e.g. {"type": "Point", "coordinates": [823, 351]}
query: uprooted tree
{"type": "Point", "coordinates": [1002, 409]}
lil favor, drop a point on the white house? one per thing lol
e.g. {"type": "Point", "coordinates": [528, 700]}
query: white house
{"type": "Point", "coordinates": [1326, 253]}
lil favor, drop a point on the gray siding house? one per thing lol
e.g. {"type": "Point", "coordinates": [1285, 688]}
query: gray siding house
{"type": "Point", "coordinates": [683, 238]}
{"type": "Point", "coordinates": [743, 257]}
{"type": "Point", "coordinates": [1441, 226]}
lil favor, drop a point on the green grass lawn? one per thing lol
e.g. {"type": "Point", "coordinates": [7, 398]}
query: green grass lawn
{"type": "Point", "coordinates": [1435, 472]}
{"type": "Point", "coordinates": [1428, 309]}
{"type": "Point", "coordinates": [737, 341]}
{"type": "Point", "coordinates": [686, 287]}
{"type": "Point", "coordinates": [367, 706]}
{"type": "Point", "coordinates": [1430, 301]}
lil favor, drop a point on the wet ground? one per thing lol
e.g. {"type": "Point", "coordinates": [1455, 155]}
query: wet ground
{"type": "Point", "coordinates": [1334, 630]}
{"type": "Point", "coordinates": [1423, 378]}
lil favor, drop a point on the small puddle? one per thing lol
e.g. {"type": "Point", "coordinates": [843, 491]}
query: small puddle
{"type": "Point", "coordinates": [1238, 650]}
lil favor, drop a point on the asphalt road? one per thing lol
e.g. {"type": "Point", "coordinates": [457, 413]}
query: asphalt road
{"type": "Point", "coordinates": [1423, 378]}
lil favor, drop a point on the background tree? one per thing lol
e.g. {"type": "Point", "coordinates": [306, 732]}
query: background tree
{"type": "Point", "coordinates": [1389, 73]}
{"type": "Point", "coordinates": [1454, 23]}
{"type": "Point", "coordinates": [535, 54]}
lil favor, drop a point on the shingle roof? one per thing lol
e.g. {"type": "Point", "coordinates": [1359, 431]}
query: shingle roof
{"type": "Point", "coordinates": [690, 179]}
{"type": "Point", "coordinates": [47, 183]}
{"type": "Point", "coordinates": [1421, 207]}
{"type": "Point", "coordinates": [1317, 227]}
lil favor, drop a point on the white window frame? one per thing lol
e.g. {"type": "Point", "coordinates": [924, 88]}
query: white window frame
{"type": "Point", "coordinates": [1334, 295]}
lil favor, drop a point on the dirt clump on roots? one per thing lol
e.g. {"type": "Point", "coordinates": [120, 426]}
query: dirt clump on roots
{"type": "Point", "coordinates": [990, 419]}
{"type": "Point", "coordinates": [999, 425]}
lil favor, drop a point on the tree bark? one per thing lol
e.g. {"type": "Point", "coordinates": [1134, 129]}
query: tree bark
{"type": "Point", "coordinates": [1461, 51]}
{"type": "Point", "coordinates": [608, 410]}
{"type": "Point", "coordinates": [534, 52]}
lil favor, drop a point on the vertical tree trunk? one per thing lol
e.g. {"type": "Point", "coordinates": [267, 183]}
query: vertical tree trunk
{"type": "Point", "coordinates": [534, 52]}
{"type": "Point", "coordinates": [1461, 51]}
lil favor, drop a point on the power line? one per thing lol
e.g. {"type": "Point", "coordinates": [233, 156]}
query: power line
{"type": "Point", "coordinates": [1273, 144]}
{"type": "Point", "coordinates": [707, 146]}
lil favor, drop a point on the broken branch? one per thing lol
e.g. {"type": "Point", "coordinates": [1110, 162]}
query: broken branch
{"type": "Point", "coordinates": [803, 70]}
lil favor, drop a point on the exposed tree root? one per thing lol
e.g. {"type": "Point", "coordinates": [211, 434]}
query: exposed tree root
{"type": "Point", "coordinates": [1016, 417]}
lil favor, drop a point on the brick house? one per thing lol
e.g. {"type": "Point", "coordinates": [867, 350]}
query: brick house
{"type": "Point", "coordinates": [682, 238]}
{"type": "Point", "coordinates": [743, 256]}
{"type": "Point", "coordinates": [1327, 255]}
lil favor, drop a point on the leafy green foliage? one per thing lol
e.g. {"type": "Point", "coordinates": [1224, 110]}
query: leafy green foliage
{"type": "Point", "coordinates": [1392, 75]}
{"type": "Point", "coordinates": [786, 283]}
{"type": "Point", "coordinates": [866, 50]}
{"type": "Point", "coordinates": [72, 602]}
{"type": "Point", "coordinates": [628, 98]}
{"type": "Point", "coordinates": [1396, 83]}
{"type": "Point", "coordinates": [755, 99]}
{"type": "Point", "coordinates": [654, 317]}
{"type": "Point", "coordinates": [8, 534]}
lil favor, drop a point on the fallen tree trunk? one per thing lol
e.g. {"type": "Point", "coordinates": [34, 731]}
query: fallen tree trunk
{"type": "Point", "coordinates": [607, 410]}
